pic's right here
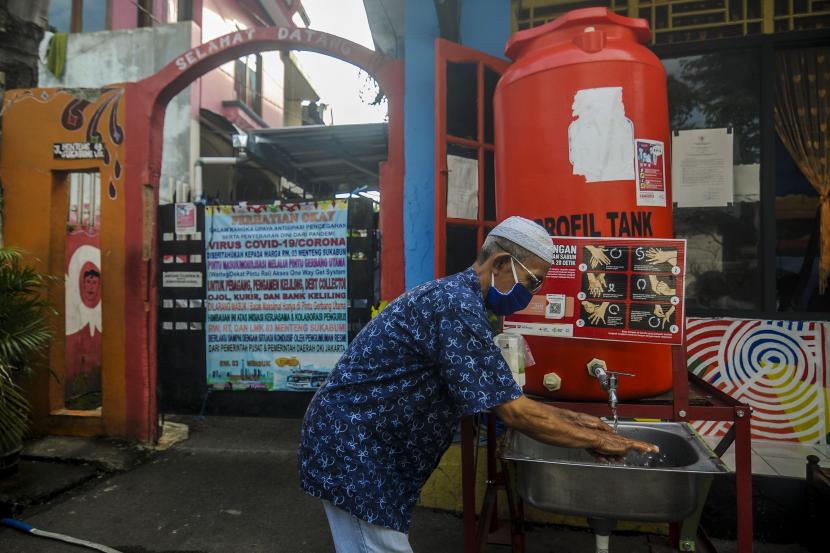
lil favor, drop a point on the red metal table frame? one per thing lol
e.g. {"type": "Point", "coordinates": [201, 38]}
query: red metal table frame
{"type": "Point", "coordinates": [707, 404]}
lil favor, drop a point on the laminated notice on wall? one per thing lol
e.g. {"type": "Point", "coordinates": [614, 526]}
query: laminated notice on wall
{"type": "Point", "coordinates": [702, 173]}
{"type": "Point", "coordinates": [601, 138]}
{"type": "Point", "coordinates": [651, 172]}
{"type": "Point", "coordinates": [462, 187]}
{"type": "Point", "coordinates": [621, 289]}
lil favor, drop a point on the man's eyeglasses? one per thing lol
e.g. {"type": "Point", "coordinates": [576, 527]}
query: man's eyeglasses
{"type": "Point", "coordinates": [535, 283]}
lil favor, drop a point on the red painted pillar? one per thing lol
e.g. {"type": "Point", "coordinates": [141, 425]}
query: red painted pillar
{"type": "Point", "coordinates": [392, 271]}
{"type": "Point", "coordinates": [141, 198]}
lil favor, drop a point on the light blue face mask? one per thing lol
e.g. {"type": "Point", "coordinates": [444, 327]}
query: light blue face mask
{"type": "Point", "coordinates": [508, 303]}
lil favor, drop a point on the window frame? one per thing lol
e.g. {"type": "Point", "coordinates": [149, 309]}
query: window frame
{"type": "Point", "coordinates": [450, 52]}
{"type": "Point", "coordinates": [76, 17]}
{"type": "Point", "coordinates": [766, 47]}
{"type": "Point", "coordinates": [145, 13]}
{"type": "Point", "coordinates": [184, 10]}
{"type": "Point", "coordinates": [244, 93]}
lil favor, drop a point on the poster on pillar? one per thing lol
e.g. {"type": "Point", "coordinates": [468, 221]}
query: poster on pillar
{"type": "Point", "coordinates": [620, 289]}
{"type": "Point", "coordinates": [276, 295]}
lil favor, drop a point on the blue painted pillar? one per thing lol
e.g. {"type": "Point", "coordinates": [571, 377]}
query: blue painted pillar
{"type": "Point", "coordinates": [485, 26]}
{"type": "Point", "coordinates": [421, 30]}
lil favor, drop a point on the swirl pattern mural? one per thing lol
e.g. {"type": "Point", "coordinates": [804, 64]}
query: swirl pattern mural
{"type": "Point", "coordinates": [777, 367]}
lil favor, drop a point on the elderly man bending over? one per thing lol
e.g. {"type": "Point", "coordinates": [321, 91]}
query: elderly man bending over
{"type": "Point", "coordinates": [377, 428]}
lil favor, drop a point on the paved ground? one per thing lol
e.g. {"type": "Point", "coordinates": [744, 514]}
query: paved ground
{"type": "Point", "coordinates": [232, 487]}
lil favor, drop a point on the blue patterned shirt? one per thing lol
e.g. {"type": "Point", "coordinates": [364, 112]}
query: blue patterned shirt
{"type": "Point", "coordinates": [377, 428]}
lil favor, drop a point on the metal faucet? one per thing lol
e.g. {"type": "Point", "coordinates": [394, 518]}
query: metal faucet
{"type": "Point", "coordinates": [607, 379]}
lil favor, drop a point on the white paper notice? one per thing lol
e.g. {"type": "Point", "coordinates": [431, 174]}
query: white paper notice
{"type": "Point", "coordinates": [181, 279]}
{"type": "Point", "coordinates": [462, 187]}
{"type": "Point", "coordinates": [601, 139]}
{"type": "Point", "coordinates": [748, 183]}
{"type": "Point", "coordinates": [702, 173]}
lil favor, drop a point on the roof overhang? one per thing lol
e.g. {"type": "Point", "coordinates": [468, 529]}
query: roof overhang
{"type": "Point", "coordinates": [386, 21]}
{"type": "Point", "coordinates": [327, 159]}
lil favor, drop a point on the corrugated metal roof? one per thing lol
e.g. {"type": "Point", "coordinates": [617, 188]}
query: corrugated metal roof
{"type": "Point", "coordinates": [332, 159]}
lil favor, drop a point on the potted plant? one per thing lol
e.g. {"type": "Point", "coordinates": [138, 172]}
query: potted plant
{"type": "Point", "coordinates": [24, 335]}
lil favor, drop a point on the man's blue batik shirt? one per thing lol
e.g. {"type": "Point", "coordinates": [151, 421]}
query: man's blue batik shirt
{"type": "Point", "coordinates": [377, 428]}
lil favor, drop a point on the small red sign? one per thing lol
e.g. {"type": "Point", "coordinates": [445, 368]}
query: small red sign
{"type": "Point", "coordinates": [651, 172]}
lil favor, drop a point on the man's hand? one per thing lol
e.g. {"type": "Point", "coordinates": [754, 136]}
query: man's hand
{"type": "Point", "coordinates": [585, 420]}
{"type": "Point", "coordinates": [568, 429]}
{"type": "Point", "coordinates": [616, 446]}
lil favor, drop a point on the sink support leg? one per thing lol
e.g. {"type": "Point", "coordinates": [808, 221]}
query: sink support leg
{"type": "Point", "coordinates": [515, 508]}
{"type": "Point", "coordinates": [743, 477]}
{"type": "Point", "coordinates": [689, 525]}
{"type": "Point", "coordinates": [468, 483]}
{"type": "Point", "coordinates": [602, 528]}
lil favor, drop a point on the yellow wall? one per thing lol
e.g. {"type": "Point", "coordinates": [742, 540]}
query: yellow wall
{"type": "Point", "coordinates": [36, 195]}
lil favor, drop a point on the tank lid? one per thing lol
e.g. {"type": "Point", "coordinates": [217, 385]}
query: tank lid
{"type": "Point", "coordinates": [584, 16]}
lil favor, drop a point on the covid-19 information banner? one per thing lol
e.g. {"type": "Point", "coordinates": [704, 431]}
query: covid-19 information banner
{"type": "Point", "coordinates": [276, 294]}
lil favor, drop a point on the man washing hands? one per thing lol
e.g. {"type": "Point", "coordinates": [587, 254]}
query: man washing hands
{"type": "Point", "coordinates": [377, 428]}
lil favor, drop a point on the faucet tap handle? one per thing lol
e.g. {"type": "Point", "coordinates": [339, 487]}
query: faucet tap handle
{"type": "Point", "coordinates": [621, 373]}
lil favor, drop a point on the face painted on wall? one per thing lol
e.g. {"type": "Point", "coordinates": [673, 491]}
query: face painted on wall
{"type": "Point", "coordinates": [90, 285]}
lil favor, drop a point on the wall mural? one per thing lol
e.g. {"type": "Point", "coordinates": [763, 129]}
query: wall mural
{"type": "Point", "coordinates": [105, 105]}
{"type": "Point", "coordinates": [777, 367]}
{"type": "Point", "coordinates": [73, 118]}
{"type": "Point", "coordinates": [82, 354]}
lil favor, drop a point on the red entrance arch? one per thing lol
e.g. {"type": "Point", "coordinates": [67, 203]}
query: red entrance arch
{"type": "Point", "coordinates": [148, 99]}
{"type": "Point", "coordinates": [388, 72]}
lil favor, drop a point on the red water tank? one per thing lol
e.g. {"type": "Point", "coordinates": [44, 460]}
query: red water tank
{"type": "Point", "coordinates": [582, 101]}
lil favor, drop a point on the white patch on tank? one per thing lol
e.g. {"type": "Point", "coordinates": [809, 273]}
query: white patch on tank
{"type": "Point", "coordinates": [601, 137]}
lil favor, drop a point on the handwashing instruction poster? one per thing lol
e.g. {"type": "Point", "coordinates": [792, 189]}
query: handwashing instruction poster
{"type": "Point", "coordinates": [621, 289]}
{"type": "Point", "coordinates": [276, 295]}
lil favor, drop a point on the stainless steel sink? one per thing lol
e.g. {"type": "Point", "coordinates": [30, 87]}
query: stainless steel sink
{"type": "Point", "coordinates": [642, 488]}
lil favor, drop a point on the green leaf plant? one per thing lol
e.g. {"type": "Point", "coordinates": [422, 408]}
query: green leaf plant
{"type": "Point", "coordinates": [25, 334]}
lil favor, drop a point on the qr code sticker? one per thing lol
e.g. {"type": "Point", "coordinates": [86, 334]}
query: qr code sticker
{"type": "Point", "coordinates": [555, 308]}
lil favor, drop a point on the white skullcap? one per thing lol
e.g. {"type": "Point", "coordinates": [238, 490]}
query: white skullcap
{"type": "Point", "coordinates": [525, 233]}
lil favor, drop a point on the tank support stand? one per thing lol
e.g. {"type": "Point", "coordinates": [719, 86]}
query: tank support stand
{"type": "Point", "coordinates": [691, 399]}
